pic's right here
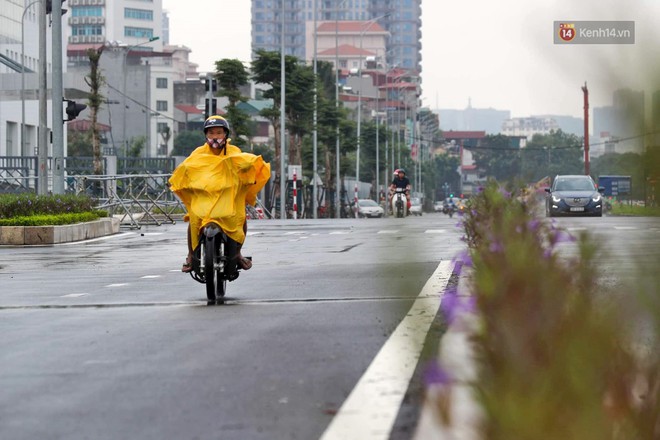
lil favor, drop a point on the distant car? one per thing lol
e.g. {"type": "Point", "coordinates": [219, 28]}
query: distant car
{"type": "Point", "coordinates": [369, 208]}
{"type": "Point", "coordinates": [416, 206]}
{"type": "Point", "coordinates": [574, 195]}
{"type": "Point", "coordinates": [437, 206]}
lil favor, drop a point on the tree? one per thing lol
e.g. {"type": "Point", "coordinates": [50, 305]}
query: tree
{"type": "Point", "coordinates": [186, 141]}
{"type": "Point", "coordinates": [232, 75]}
{"type": "Point", "coordinates": [498, 157]}
{"type": "Point", "coordinates": [550, 154]}
{"type": "Point", "coordinates": [445, 168]}
{"type": "Point", "coordinates": [79, 143]}
{"type": "Point", "coordinates": [266, 69]}
{"type": "Point", "coordinates": [95, 80]}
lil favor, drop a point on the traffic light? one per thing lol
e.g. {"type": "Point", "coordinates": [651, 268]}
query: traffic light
{"type": "Point", "coordinates": [211, 85]}
{"type": "Point", "coordinates": [210, 107]}
{"type": "Point", "coordinates": [49, 7]}
{"type": "Point", "coordinates": [73, 109]}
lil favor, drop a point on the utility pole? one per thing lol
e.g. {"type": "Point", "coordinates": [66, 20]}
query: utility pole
{"type": "Point", "coordinates": [42, 187]}
{"type": "Point", "coordinates": [585, 92]}
{"type": "Point", "coordinates": [282, 119]}
{"type": "Point", "coordinates": [57, 99]}
{"type": "Point", "coordinates": [315, 192]}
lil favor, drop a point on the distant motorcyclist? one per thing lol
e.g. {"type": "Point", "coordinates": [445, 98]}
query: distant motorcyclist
{"type": "Point", "coordinates": [400, 181]}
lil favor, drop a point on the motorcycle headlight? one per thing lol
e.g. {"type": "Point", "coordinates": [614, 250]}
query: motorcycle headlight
{"type": "Point", "coordinates": [556, 199]}
{"type": "Point", "coordinates": [596, 198]}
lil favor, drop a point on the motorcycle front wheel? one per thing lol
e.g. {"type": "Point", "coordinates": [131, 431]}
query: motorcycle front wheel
{"type": "Point", "coordinates": [215, 284]}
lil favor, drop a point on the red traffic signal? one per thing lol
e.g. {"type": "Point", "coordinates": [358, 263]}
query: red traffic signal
{"type": "Point", "coordinates": [73, 109]}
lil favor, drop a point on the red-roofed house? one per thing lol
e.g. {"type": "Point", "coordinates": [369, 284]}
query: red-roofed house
{"type": "Point", "coordinates": [355, 43]}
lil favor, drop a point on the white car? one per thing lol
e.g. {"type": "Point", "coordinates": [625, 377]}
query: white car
{"type": "Point", "coordinates": [416, 206]}
{"type": "Point", "coordinates": [369, 208]}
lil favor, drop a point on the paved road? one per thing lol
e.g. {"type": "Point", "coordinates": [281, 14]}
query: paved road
{"type": "Point", "coordinates": [107, 339]}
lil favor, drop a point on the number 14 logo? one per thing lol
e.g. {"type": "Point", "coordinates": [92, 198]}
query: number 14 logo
{"type": "Point", "coordinates": [566, 31]}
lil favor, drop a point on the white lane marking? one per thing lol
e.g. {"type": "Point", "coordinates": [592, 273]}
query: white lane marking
{"type": "Point", "coordinates": [577, 228]}
{"type": "Point", "coordinates": [151, 233]}
{"type": "Point", "coordinates": [624, 228]}
{"type": "Point", "coordinates": [255, 233]}
{"type": "Point", "coordinates": [388, 231]}
{"type": "Point", "coordinates": [295, 233]}
{"type": "Point", "coordinates": [146, 277]}
{"type": "Point", "coordinates": [74, 295]}
{"type": "Point", "coordinates": [370, 410]}
{"type": "Point", "coordinates": [339, 232]}
{"type": "Point", "coordinates": [435, 231]}
{"type": "Point", "coordinates": [117, 285]}
{"type": "Point", "coordinates": [92, 240]}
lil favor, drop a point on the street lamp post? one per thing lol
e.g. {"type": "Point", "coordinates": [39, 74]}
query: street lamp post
{"type": "Point", "coordinates": [315, 136]}
{"type": "Point", "coordinates": [359, 115]}
{"type": "Point", "coordinates": [337, 176]}
{"type": "Point", "coordinates": [23, 74]}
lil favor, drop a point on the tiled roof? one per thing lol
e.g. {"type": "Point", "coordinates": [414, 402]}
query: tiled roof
{"type": "Point", "coordinates": [347, 50]}
{"type": "Point", "coordinates": [350, 27]}
{"type": "Point", "coordinates": [85, 124]}
{"type": "Point", "coordinates": [188, 108]}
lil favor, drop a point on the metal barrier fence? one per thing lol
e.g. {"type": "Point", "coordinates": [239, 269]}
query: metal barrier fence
{"type": "Point", "coordinates": [138, 199]}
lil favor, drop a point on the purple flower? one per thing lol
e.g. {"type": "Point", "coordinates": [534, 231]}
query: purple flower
{"type": "Point", "coordinates": [547, 253]}
{"type": "Point", "coordinates": [464, 258]}
{"type": "Point", "coordinates": [434, 374]}
{"type": "Point", "coordinates": [504, 192]}
{"type": "Point", "coordinates": [450, 305]}
{"type": "Point", "coordinates": [480, 189]}
{"type": "Point", "coordinates": [496, 247]}
{"type": "Point", "coordinates": [534, 224]}
{"type": "Point", "coordinates": [560, 236]}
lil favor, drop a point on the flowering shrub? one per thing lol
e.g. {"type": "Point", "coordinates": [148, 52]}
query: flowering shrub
{"type": "Point", "coordinates": [23, 205]}
{"type": "Point", "coordinates": [554, 358]}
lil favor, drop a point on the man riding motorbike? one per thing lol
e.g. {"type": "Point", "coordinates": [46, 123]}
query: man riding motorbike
{"type": "Point", "coordinates": [400, 181]}
{"type": "Point", "coordinates": [221, 180]}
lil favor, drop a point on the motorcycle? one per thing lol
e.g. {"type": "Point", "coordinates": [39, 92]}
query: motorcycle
{"type": "Point", "coordinates": [449, 210]}
{"type": "Point", "coordinates": [399, 203]}
{"type": "Point", "coordinates": [214, 261]}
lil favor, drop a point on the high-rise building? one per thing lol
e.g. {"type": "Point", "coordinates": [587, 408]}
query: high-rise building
{"type": "Point", "coordinates": [621, 125]}
{"type": "Point", "coordinates": [402, 19]}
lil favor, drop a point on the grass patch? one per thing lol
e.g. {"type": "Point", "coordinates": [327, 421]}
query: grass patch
{"type": "Point", "coordinates": [53, 219]}
{"type": "Point", "coordinates": [635, 210]}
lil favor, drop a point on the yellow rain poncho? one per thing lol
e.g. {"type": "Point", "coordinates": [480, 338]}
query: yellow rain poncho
{"type": "Point", "coordinates": [217, 187]}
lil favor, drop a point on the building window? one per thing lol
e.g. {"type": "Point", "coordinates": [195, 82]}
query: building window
{"type": "Point", "coordinates": [161, 83]}
{"type": "Point", "coordinates": [86, 29]}
{"type": "Point", "coordinates": [161, 106]}
{"type": "Point", "coordinates": [139, 14]}
{"type": "Point", "coordinates": [138, 32]}
{"type": "Point", "coordinates": [87, 11]}
{"type": "Point", "coordinates": [162, 127]}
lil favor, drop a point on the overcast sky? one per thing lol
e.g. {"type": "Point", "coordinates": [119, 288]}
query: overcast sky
{"type": "Point", "coordinates": [498, 54]}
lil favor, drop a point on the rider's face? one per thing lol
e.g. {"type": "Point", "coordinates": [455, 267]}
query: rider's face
{"type": "Point", "coordinates": [216, 133]}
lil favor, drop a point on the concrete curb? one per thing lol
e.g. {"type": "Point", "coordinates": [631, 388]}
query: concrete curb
{"type": "Point", "coordinates": [42, 235]}
{"type": "Point", "coordinates": [451, 411]}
